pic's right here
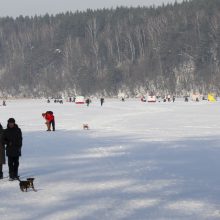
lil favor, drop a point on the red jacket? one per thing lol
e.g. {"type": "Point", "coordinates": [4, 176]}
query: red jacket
{"type": "Point", "coordinates": [49, 117]}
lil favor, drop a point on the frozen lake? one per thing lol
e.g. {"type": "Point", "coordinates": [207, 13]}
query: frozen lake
{"type": "Point", "coordinates": [138, 161]}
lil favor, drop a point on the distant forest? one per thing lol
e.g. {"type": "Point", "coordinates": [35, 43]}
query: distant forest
{"type": "Point", "coordinates": [171, 49]}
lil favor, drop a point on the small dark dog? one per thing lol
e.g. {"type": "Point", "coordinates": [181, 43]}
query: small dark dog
{"type": "Point", "coordinates": [26, 184]}
{"type": "Point", "coordinates": [85, 126]}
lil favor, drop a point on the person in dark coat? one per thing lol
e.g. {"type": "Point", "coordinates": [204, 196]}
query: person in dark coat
{"type": "Point", "coordinates": [2, 152]}
{"type": "Point", "coordinates": [88, 101]}
{"type": "Point", "coordinates": [102, 101]}
{"type": "Point", "coordinates": [12, 138]}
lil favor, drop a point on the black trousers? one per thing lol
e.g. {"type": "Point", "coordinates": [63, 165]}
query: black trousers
{"type": "Point", "coordinates": [53, 124]}
{"type": "Point", "coordinates": [13, 164]}
{"type": "Point", "coordinates": [1, 173]}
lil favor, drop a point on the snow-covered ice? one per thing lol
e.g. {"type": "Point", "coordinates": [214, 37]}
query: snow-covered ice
{"type": "Point", "coordinates": [138, 161]}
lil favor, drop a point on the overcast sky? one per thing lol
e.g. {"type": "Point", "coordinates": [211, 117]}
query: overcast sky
{"type": "Point", "coordinates": [31, 7]}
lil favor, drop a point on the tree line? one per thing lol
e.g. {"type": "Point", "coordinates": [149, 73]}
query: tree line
{"type": "Point", "coordinates": [173, 48]}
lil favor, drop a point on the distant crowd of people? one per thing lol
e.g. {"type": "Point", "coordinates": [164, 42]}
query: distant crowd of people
{"type": "Point", "coordinates": [172, 99]}
{"type": "Point", "coordinates": [73, 99]}
{"type": "Point", "coordinates": [56, 101]}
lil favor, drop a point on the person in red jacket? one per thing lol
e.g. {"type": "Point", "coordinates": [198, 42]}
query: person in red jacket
{"type": "Point", "coordinates": [50, 120]}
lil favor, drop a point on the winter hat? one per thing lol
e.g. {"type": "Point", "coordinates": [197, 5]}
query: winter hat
{"type": "Point", "coordinates": [11, 120]}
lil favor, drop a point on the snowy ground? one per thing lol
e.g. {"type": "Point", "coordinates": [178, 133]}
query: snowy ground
{"type": "Point", "coordinates": [138, 161]}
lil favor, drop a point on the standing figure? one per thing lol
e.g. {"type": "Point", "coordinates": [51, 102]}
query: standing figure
{"type": "Point", "coordinates": [88, 102]}
{"type": "Point", "coordinates": [2, 152]}
{"type": "Point", "coordinates": [102, 101]}
{"type": "Point", "coordinates": [186, 99]}
{"type": "Point", "coordinates": [143, 99]}
{"type": "Point", "coordinates": [12, 138]}
{"type": "Point", "coordinates": [4, 103]}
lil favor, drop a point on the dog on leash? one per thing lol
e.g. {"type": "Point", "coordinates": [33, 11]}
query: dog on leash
{"type": "Point", "coordinates": [85, 126]}
{"type": "Point", "coordinates": [27, 184]}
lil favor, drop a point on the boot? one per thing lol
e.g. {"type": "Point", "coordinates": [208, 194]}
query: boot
{"type": "Point", "coordinates": [15, 173]}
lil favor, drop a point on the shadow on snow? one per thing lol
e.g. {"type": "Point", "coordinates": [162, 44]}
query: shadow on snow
{"type": "Point", "coordinates": [84, 176]}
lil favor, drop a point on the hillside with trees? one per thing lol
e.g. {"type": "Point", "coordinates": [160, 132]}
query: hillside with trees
{"type": "Point", "coordinates": [173, 48]}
